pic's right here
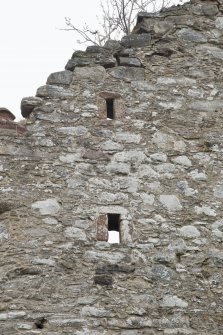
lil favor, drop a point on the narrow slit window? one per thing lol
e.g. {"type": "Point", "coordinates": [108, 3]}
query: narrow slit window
{"type": "Point", "coordinates": [114, 228]}
{"type": "Point", "coordinates": [110, 109]}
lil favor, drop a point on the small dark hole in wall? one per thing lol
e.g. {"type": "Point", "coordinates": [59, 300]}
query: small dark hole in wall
{"type": "Point", "coordinates": [114, 228]}
{"type": "Point", "coordinates": [39, 323]}
{"type": "Point", "coordinates": [110, 109]}
{"type": "Point", "coordinates": [4, 207]}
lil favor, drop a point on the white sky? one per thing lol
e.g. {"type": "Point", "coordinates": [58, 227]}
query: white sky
{"type": "Point", "coordinates": [32, 45]}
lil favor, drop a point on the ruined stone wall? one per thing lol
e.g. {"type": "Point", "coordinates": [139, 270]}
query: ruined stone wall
{"type": "Point", "coordinates": [158, 164]}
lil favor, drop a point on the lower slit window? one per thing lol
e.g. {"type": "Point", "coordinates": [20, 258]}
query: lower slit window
{"type": "Point", "coordinates": [110, 109]}
{"type": "Point", "coordinates": [114, 228]}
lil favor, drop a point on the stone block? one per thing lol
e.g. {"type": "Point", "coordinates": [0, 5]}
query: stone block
{"type": "Point", "coordinates": [16, 314]}
{"type": "Point", "coordinates": [190, 35]}
{"type": "Point", "coordinates": [217, 228]}
{"type": "Point", "coordinates": [162, 27]}
{"type": "Point", "coordinates": [206, 210]}
{"type": "Point", "coordinates": [92, 73]}
{"type": "Point", "coordinates": [75, 131]}
{"type": "Point", "coordinates": [211, 51]}
{"type": "Point", "coordinates": [128, 73]}
{"type": "Point", "coordinates": [136, 40]}
{"type": "Point", "coordinates": [95, 155]}
{"type": "Point", "coordinates": [140, 85]}
{"type": "Point", "coordinates": [111, 146]}
{"type": "Point", "coordinates": [171, 202]}
{"type": "Point", "coordinates": [128, 137]}
{"type": "Point", "coordinates": [77, 62]}
{"type": "Point", "coordinates": [216, 256]}
{"type": "Point", "coordinates": [47, 207]}
{"type": "Point", "coordinates": [197, 175]}
{"type": "Point", "coordinates": [159, 157]}
{"type": "Point", "coordinates": [90, 311]}
{"type": "Point", "coordinates": [115, 268]}
{"type": "Point", "coordinates": [133, 156]}
{"type": "Point", "coordinates": [209, 9]}
{"type": "Point", "coordinates": [219, 22]}
{"type": "Point", "coordinates": [162, 273]}
{"type": "Point", "coordinates": [120, 168]}
{"type": "Point", "coordinates": [60, 78]}
{"type": "Point", "coordinates": [60, 321]}
{"type": "Point", "coordinates": [173, 301]}
{"type": "Point", "coordinates": [28, 104]}
{"type": "Point", "coordinates": [182, 160]}
{"type": "Point", "coordinates": [104, 280]}
{"type": "Point", "coordinates": [218, 191]}
{"type": "Point", "coordinates": [75, 233]}
{"type": "Point", "coordinates": [53, 91]}
{"type": "Point", "coordinates": [105, 256]}
{"type": "Point", "coordinates": [129, 61]}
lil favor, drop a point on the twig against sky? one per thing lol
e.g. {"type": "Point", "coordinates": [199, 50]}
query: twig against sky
{"type": "Point", "coordinates": [117, 18]}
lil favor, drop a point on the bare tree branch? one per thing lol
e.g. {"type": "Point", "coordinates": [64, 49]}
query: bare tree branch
{"type": "Point", "coordinates": [118, 17]}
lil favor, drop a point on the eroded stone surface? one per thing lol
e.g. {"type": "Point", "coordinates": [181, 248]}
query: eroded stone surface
{"type": "Point", "coordinates": [47, 207]}
{"type": "Point", "coordinates": [171, 202]}
{"type": "Point", "coordinates": [172, 301]}
{"type": "Point", "coordinates": [189, 231]}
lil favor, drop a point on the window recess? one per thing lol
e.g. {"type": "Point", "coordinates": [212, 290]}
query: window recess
{"type": "Point", "coordinates": [110, 106]}
{"type": "Point", "coordinates": [108, 228]}
{"type": "Point", "coordinates": [113, 228]}
{"type": "Point", "coordinates": [110, 109]}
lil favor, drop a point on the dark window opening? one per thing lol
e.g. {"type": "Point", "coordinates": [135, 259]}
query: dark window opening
{"type": "Point", "coordinates": [110, 109]}
{"type": "Point", "coordinates": [39, 323]}
{"type": "Point", "coordinates": [114, 228]}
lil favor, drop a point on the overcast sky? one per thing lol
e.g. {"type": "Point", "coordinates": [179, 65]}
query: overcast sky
{"type": "Point", "coordinates": [33, 46]}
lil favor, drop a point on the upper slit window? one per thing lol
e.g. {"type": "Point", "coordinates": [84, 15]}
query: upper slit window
{"type": "Point", "coordinates": [110, 109]}
{"type": "Point", "coordinates": [114, 228]}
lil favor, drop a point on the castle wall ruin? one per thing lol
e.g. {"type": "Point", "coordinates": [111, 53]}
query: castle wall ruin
{"type": "Point", "coordinates": [128, 138]}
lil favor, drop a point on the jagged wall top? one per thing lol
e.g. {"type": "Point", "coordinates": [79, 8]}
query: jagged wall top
{"type": "Point", "coordinates": [196, 26]}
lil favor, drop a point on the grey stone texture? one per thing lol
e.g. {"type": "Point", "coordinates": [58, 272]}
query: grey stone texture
{"type": "Point", "coordinates": [158, 164]}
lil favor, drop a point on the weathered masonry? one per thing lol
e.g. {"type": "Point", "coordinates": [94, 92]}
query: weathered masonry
{"type": "Point", "coordinates": [128, 138]}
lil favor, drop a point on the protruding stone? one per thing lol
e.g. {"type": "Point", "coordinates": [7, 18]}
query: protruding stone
{"type": "Point", "coordinates": [136, 40]}
{"type": "Point", "coordinates": [73, 63]}
{"type": "Point", "coordinates": [60, 78]}
{"type": "Point", "coordinates": [112, 45]}
{"type": "Point", "coordinates": [94, 55]}
{"type": "Point", "coordinates": [28, 104]}
{"type": "Point", "coordinates": [53, 91]}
